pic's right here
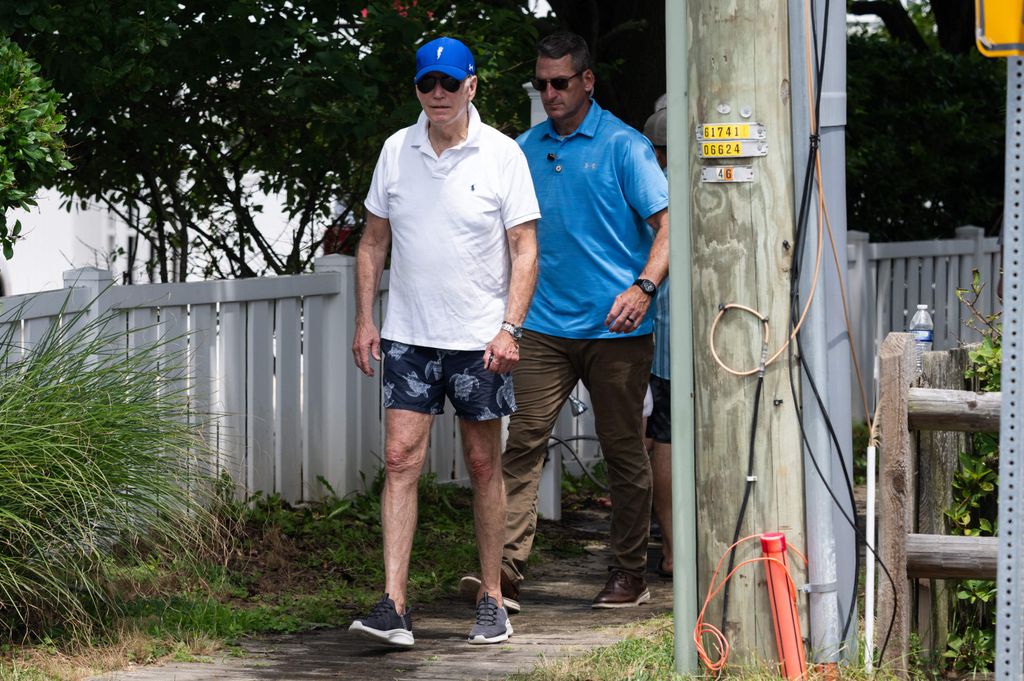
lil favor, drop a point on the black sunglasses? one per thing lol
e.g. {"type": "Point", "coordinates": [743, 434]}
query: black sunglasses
{"type": "Point", "coordinates": [426, 84]}
{"type": "Point", "coordinates": [540, 84]}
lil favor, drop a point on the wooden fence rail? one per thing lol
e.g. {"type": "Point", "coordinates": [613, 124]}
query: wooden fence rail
{"type": "Point", "coordinates": [914, 491]}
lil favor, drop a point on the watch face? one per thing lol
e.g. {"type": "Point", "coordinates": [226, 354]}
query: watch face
{"type": "Point", "coordinates": [647, 286]}
{"type": "Point", "coordinates": [515, 331]}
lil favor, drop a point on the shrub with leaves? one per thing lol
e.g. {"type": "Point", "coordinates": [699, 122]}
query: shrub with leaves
{"type": "Point", "coordinates": [100, 471]}
{"type": "Point", "coordinates": [974, 511]}
{"type": "Point", "coordinates": [31, 150]}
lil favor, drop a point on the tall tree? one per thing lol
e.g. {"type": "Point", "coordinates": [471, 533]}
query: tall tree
{"type": "Point", "coordinates": [923, 111]}
{"type": "Point", "coordinates": [950, 23]}
{"type": "Point", "coordinates": [184, 116]}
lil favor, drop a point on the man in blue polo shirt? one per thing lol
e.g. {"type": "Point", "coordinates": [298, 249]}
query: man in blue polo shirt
{"type": "Point", "coordinates": [601, 194]}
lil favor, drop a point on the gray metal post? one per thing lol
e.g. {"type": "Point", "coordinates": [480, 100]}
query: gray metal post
{"type": "Point", "coordinates": [1010, 607]}
{"type": "Point", "coordinates": [684, 493]}
{"type": "Point", "coordinates": [825, 343]}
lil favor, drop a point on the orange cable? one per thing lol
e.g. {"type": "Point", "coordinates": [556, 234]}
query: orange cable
{"type": "Point", "coordinates": [703, 629]}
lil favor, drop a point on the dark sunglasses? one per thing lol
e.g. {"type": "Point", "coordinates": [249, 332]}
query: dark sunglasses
{"type": "Point", "coordinates": [540, 84]}
{"type": "Point", "coordinates": [426, 84]}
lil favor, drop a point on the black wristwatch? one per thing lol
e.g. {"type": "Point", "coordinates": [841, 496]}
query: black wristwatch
{"type": "Point", "coordinates": [647, 286]}
{"type": "Point", "coordinates": [515, 331]}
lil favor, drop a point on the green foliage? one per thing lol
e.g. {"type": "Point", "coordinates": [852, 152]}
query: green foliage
{"type": "Point", "coordinates": [98, 473]}
{"type": "Point", "coordinates": [922, 151]}
{"type": "Point", "coordinates": [186, 115]}
{"type": "Point", "coordinates": [861, 440]}
{"type": "Point", "coordinates": [974, 510]}
{"type": "Point", "coordinates": [987, 358]}
{"type": "Point", "coordinates": [974, 486]}
{"type": "Point", "coordinates": [31, 150]}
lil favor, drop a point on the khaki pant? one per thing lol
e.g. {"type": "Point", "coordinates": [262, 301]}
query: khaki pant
{"type": "Point", "coordinates": [615, 371]}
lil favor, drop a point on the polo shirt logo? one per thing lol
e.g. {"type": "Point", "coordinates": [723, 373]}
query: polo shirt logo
{"type": "Point", "coordinates": [590, 166]}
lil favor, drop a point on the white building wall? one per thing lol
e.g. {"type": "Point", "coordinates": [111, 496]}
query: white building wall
{"type": "Point", "coordinates": [46, 249]}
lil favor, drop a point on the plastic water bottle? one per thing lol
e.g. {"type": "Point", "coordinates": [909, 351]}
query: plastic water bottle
{"type": "Point", "coordinates": [922, 328]}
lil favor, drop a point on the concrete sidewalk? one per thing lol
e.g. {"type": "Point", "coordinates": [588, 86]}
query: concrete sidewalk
{"type": "Point", "coordinates": [556, 621]}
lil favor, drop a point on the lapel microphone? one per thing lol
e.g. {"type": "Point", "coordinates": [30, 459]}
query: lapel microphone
{"type": "Point", "coordinates": [551, 157]}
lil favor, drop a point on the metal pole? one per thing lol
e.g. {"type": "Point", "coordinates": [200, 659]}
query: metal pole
{"type": "Point", "coordinates": [1010, 608]}
{"type": "Point", "coordinates": [824, 327]}
{"type": "Point", "coordinates": [684, 495]}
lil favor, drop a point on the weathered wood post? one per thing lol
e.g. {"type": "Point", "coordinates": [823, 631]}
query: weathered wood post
{"type": "Point", "coordinates": [895, 493]}
{"type": "Point", "coordinates": [743, 246]}
{"type": "Point", "coordinates": [938, 460]}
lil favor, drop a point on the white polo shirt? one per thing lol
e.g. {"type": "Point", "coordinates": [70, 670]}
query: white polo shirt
{"type": "Point", "coordinates": [449, 253]}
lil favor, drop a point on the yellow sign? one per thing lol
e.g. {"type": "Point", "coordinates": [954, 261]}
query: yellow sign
{"type": "Point", "coordinates": [732, 149]}
{"type": "Point", "coordinates": [729, 131]}
{"type": "Point", "coordinates": [1000, 27]}
{"type": "Point", "coordinates": [721, 149]}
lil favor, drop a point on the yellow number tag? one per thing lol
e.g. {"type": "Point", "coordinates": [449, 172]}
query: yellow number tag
{"type": "Point", "coordinates": [721, 149]}
{"type": "Point", "coordinates": [726, 131]}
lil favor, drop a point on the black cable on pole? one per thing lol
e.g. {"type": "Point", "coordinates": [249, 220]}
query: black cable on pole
{"type": "Point", "coordinates": [748, 488]}
{"type": "Point", "coordinates": [800, 243]}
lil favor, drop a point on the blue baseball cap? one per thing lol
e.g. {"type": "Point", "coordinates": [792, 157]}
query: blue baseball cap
{"type": "Point", "coordinates": [446, 55]}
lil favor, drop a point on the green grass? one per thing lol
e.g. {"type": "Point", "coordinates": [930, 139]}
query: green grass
{"type": "Point", "coordinates": [647, 654]}
{"type": "Point", "coordinates": [98, 471]}
{"type": "Point", "coordinates": [285, 570]}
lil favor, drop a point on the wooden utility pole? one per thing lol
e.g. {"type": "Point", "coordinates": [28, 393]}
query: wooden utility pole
{"type": "Point", "coordinates": [743, 226]}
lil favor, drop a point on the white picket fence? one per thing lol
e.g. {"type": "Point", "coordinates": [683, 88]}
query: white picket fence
{"type": "Point", "coordinates": [886, 282]}
{"type": "Point", "coordinates": [270, 359]}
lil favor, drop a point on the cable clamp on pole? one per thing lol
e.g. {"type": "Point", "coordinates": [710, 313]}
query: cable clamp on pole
{"type": "Point", "coordinates": [818, 588]}
{"type": "Point", "coordinates": [815, 141]}
{"type": "Point", "coordinates": [751, 478]}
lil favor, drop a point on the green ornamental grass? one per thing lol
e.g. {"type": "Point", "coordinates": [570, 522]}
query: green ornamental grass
{"type": "Point", "coordinates": [99, 471]}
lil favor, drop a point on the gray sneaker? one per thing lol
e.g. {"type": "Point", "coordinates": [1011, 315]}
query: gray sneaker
{"type": "Point", "coordinates": [469, 587]}
{"type": "Point", "coordinates": [492, 623]}
{"type": "Point", "coordinates": [384, 624]}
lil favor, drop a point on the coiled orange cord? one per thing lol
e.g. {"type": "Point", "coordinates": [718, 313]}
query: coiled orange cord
{"type": "Point", "coordinates": [702, 628]}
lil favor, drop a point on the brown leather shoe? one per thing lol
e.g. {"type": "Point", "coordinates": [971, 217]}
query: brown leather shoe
{"type": "Point", "coordinates": [623, 590]}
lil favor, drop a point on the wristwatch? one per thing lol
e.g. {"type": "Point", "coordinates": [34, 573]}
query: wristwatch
{"type": "Point", "coordinates": [515, 331]}
{"type": "Point", "coordinates": [647, 286]}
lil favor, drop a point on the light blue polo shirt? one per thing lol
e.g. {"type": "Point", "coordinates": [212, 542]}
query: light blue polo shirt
{"type": "Point", "coordinates": [596, 187]}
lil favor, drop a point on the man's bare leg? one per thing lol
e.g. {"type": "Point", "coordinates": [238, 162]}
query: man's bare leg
{"type": "Point", "coordinates": [404, 453]}
{"type": "Point", "coordinates": [481, 441]}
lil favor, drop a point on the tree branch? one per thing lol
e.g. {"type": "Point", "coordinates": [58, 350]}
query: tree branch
{"type": "Point", "coordinates": [894, 16]}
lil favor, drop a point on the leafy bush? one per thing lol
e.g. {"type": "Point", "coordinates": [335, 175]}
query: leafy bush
{"type": "Point", "coordinates": [31, 151]}
{"type": "Point", "coordinates": [974, 511]}
{"type": "Point", "coordinates": [99, 472]}
{"type": "Point", "coordinates": [924, 140]}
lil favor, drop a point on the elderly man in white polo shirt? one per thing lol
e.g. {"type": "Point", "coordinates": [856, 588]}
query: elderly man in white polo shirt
{"type": "Point", "coordinates": [454, 200]}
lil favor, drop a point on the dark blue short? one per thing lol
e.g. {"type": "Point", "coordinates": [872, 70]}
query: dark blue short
{"type": "Point", "coordinates": [417, 379]}
{"type": "Point", "coordinates": [659, 423]}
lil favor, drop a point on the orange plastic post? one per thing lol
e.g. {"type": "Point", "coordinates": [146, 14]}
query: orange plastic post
{"type": "Point", "coordinates": [782, 597]}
